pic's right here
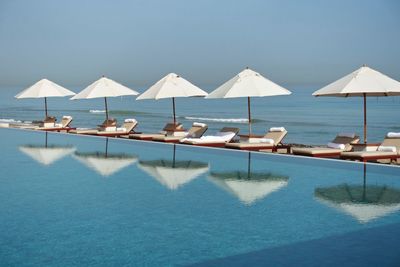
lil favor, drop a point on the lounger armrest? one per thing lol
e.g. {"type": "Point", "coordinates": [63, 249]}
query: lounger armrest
{"type": "Point", "coordinates": [367, 144]}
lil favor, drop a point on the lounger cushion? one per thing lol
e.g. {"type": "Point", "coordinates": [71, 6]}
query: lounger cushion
{"type": "Point", "coordinates": [199, 124]}
{"type": "Point", "coordinates": [130, 120]}
{"type": "Point", "coordinates": [261, 141]}
{"type": "Point", "coordinates": [315, 150]}
{"type": "Point", "coordinates": [249, 145]}
{"type": "Point", "coordinates": [336, 146]}
{"type": "Point", "coordinates": [365, 154]}
{"type": "Point", "coordinates": [393, 135]}
{"type": "Point", "coordinates": [387, 148]}
{"type": "Point", "coordinates": [277, 129]}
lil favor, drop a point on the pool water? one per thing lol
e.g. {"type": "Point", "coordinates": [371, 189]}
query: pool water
{"type": "Point", "coordinates": [68, 200]}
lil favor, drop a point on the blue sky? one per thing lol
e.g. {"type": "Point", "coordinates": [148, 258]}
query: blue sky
{"type": "Point", "coordinates": [74, 42]}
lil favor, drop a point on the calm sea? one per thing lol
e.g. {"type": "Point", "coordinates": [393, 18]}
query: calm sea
{"type": "Point", "coordinates": [308, 119]}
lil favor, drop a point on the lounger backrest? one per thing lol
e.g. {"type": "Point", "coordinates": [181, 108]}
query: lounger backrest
{"type": "Point", "coordinates": [276, 136]}
{"type": "Point", "coordinates": [197, 131]}
{"type": "Point", "coordinates": [66, 121]}
{"type": "Point", "coordinates": [347, 141]}
{"type": "Point", "coordinates": [129, 126]}
{"type": "Point", "coordinates": [170, 127]}
{"type": "Point", "coordinates": [392, 141]}
{"type": "Point", "coordinates": [230, 129]}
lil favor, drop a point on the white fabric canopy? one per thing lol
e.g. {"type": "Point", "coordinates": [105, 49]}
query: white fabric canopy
{"type": "Point", "coordinates": [172, 85]}
{"type": "Point", "coordinates": [104, 87]}
{"type": "Point", "coordinates": [44, 88]}
{"type": "Point", "coordinates": [105, 165]}
{"type": "Point", "coordinates": [248, 190]}
{"type": "Point", "coordinates": [248, 83]}
{"type": "Point", "coordinates": [46, 155]}
{"type": "Point", "coordinates": [362, 81]}
{"type": "Point", "coordinates": [173, 175]}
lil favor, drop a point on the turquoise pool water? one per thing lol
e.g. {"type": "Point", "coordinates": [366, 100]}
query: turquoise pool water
{"type": "Point", "coordinates": [69, 200]}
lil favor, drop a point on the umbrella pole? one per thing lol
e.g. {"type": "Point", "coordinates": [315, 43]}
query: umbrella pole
{"type": "Point", "coordinates": [248, 165]}
{"type": "Point", "coordinates": [45, 106]}
{"type": "Point", "coordinates": [173, 108]}
{"type": "Point", "coordinates": [45, 142]}
{"type": "Point", "coordinates": [106, 146]}
{"type": "Point", "coordinates": [173, 159]}
{"type": "Point", "coordinates": [105, 103]}
{"type": "Point", "coordinates": [365, 181]}
{"type": "Point", "coordinates": [249, 112]}
{"type": "Point", "coordinates": [365, 118]}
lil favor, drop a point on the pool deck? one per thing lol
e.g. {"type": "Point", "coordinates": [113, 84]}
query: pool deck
{"type": "Point", "coordinates": [276, 154]}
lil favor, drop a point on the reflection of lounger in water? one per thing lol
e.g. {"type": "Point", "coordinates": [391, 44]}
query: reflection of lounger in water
{"type": "Point", "coordinates": [225, 135]}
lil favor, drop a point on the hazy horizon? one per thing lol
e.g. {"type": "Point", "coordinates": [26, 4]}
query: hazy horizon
{"type": "Point", "coordinates": [207, 42]}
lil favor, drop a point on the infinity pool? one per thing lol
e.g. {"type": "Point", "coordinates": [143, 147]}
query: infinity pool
{"type": "Point", "coordinates": [69, 200]}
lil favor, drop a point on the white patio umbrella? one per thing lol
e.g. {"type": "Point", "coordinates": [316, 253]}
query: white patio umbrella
{"type": "Point", "coordinates": [249, 186]}
{"type": "Point", "coordinates": [248, 83]}
{"type": "Point", "coordinates": [46, 154]}
{"type": "Point", "coordinates": [172, 86]}
{"type": "Point", "coordinates": [363, 82]}
{"type": "Point", "coordinates": [104, 88]}
{"type": "Point", "coordinates": [106, 163]}
{"type": "Point", "coordinates": [363, 202]}
{"type": "Point", "coordinates": [173, 173]}
{"type": "Point", "coordinates": [44, 89]}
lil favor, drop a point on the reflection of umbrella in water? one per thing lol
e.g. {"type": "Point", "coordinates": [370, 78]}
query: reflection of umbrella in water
{"type": "Point", "coordinates": [249, 186]}
{"type": "Point", "coordinates": [46, 154]}
{"type": "Point", "coordinates": [105, 164]}
{"type": "Point", "coordinates": [363, 202]}
{"type": "Point", "coordinates": [173, 173]}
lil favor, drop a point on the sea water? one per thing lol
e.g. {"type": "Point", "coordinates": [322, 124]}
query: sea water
{"type": "Point", "coordinates": [308, 119]}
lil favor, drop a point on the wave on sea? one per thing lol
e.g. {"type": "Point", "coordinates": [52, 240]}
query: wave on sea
{"type": "Point", "coordinates": [10, 121]}
{"type": "Point", "coordinates": [231, 120]}
{"type": "Point", "coordinates": [97, 111]}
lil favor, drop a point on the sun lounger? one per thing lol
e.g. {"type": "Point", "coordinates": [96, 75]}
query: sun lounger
{"type": "Point", "coordinates": [342, 142]}
{"type": "Point", "coordinates": [170, 129]}
{"type": "Point", "coordinates": [225, 135]}
{"type": "Point", "coordinates": [124, 130]}
{"type": "Point", "coordinates": [62, 126]}
{"type": "Point", "coordinates": [49, 121]}
{"type": "Point", "coordinates": [388, 149]}
{"type": "Point", "coordinates": [109, 124]}
{"type": "Point", "coordinates": [272, 140]}
{"type": "Point", "coordinates": [196, 131]}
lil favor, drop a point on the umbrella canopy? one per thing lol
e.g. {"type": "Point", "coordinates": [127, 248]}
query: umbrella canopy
{"type": "Point", "coordinates": [363, 82]}
{"type": "Point", "coordinates": [248, 83]}
{"type": "Point", "coordinates": [172, 86]}
{"type": "Point", "coordinates": [106, 163]}
{"type": "Point", "coordinates": [46, 155]}
{"type": "Point", "coordinates": [44, 89]}
{"type": "Point", "coordinates": [104, 88]}
{"type": "Point", "coordinates": [173, 174]}
{"type": "Point", "coordinates": [249, 187]}
{"type": "Point", "coordinates": [365, 203]}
